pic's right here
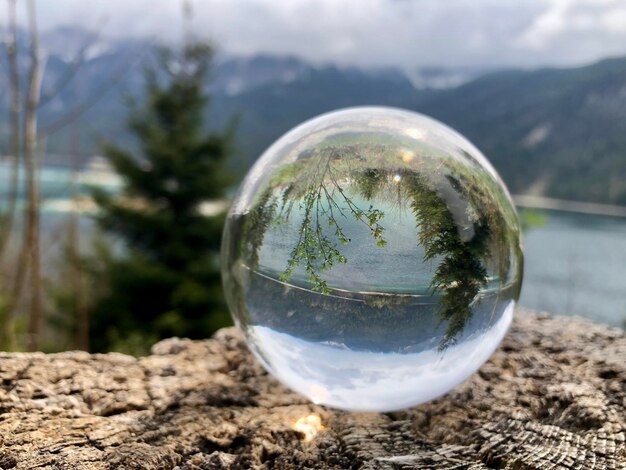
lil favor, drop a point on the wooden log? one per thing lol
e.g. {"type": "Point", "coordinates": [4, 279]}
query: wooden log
{"type": "Point", "coordinates": [552, 397]}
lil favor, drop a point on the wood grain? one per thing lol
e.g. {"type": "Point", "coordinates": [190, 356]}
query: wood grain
{"type": "Point", "coordinates": [552, 397]}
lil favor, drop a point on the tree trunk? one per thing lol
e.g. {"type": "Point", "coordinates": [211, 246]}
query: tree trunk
{"type": "Point", "coordinates": [7, 328]}
{"type": "Point", "coordinates": [552, 396]}
{"type": "Point", "coordinates": [14, 126]}
{"type": "Point", "coordinates": [78, 282]}
{"type": "Point", "coordinates": [32, 233]}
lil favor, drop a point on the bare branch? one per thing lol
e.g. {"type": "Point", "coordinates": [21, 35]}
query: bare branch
{"type": "Point", "coordinates": [70, 73]}
{"type": "Point", "coordinates": [75, 113]}
{"type": "Point", "coordinates": [14, 126]}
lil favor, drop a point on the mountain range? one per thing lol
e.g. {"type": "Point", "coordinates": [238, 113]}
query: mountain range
{"type": "Point", "coordinates": [554, 132]}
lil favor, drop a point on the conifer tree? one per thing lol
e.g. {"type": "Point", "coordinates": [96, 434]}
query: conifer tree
{"type": "Point", "coordinates": [166, 281]}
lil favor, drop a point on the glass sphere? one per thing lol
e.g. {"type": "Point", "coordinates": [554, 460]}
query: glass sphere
{"type": "Point", "coordinates": [372, 259]}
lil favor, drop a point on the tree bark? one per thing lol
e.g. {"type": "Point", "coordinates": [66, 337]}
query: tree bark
{"type": "Point", "coordinates": [553, 396]}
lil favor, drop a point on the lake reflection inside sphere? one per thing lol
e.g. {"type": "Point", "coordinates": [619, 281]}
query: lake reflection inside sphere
{"type": "Point", "coordinates": [372, 259]}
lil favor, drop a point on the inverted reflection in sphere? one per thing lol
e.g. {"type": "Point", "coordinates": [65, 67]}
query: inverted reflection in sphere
{"type": "Point", "coordinates": [372, 259]}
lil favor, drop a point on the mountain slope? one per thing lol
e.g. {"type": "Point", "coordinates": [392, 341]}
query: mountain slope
{"type": "Point", "coordinates": [555, 132]}
{"type": "Point", "coordinates": [267, 111]}
{"type": "Point", "coordinates": [558, 132]}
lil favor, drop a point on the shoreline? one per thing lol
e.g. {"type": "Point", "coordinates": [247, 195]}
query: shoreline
{"type": "Point", "coordinates": [593, 208]}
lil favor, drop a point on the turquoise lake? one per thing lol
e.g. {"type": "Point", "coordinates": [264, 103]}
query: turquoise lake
{"type": "Point", "coordinates": [575, 264]}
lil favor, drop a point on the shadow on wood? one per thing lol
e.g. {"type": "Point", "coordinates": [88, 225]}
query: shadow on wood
{"type": "Point", "coordinates": [553, 396]}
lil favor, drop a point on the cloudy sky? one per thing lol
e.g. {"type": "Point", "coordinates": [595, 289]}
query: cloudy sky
{"type": "Point", "coordinates": [404, 33]}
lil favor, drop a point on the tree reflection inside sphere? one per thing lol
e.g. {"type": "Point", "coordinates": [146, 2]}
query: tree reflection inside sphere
{"type": "Point", "coordinates": [372, 259]}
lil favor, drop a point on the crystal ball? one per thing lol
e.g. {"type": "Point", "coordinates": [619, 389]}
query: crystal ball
{"type": "Point", "coordinates": [372, 259]}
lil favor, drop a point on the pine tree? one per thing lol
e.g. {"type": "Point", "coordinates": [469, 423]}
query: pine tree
{"type": "Point", "coordinates": [166, 281]}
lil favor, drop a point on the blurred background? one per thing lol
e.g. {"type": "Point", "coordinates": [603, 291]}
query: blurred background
{"type": "Point", "coordinates": [125, 128]}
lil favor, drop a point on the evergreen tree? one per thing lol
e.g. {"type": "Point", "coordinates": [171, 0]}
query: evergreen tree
{"type": "Point", "coordinates": [166, 281]}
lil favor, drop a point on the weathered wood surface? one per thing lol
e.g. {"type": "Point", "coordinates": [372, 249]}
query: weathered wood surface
{"type": "Point", "coordinates": [552, 397]}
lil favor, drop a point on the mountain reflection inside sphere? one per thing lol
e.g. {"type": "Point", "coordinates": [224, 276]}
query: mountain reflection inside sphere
{"type": "Point", "coordinates": [366, 262]}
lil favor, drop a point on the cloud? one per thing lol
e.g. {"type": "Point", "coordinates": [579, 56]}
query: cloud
{"type": "Point", "coordinates": [402, 33]}
{"type": "Point", "coordinates": [575, 31]}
